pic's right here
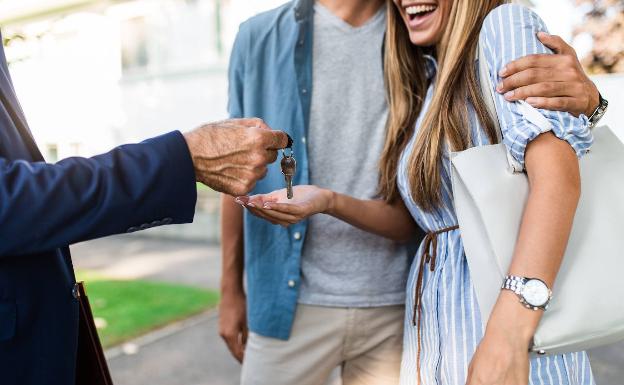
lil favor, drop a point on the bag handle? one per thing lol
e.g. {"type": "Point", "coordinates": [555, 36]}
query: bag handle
{"type": "Point", "coordinates": [487, 91]}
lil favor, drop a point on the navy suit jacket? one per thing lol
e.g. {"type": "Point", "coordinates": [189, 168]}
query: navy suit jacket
{"type": "Point", "coordinates": [45, 207]}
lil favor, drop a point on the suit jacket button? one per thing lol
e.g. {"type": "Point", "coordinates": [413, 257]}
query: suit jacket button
{"type": "Point", "coordinates": [166, 221]}
{"type": "Point", "coordinates": [144, 226]}
{"type": "Point", "coordinates": [75, 291]}
{"type": "Point", "coordinates": [156, 223]}
{"type": "Point", "coordinates": [132, 229]}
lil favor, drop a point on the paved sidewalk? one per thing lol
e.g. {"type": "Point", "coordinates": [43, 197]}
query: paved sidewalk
{"type": "Point", "coordinates": [191, 352]}
{"type": "Point", "coordinates": [188, 354]}
{"type": "Point", "coordinates": [134, 256]}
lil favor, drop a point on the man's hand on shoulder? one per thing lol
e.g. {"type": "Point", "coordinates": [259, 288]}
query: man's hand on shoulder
{"type": "Point", "coordinates": [232, 155]}
{"type": "Point", "coordinates": [553, 82]}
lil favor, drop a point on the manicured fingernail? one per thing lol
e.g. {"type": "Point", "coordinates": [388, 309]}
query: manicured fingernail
{"type": "Point", "coordinates": [531, 101]}
{"type": "Point", "coordinates": [541, 34]}
{"type": "Point", "coordinates": [503, 72]}
{"type": "Point", "coordinates": [509, 95]}
{"type": "Point", "coordinates": [251, 205]}
{"type": "Point", "coordinates": [267, 206]}
{"type": "Point", "coordinates": [499, 87]}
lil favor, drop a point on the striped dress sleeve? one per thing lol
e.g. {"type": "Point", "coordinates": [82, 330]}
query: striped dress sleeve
{"type": "Point", "coordinates": [508, 33]}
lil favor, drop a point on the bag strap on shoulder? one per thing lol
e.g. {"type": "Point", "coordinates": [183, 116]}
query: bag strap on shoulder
{"type": "Point", "coordinates": [487, 91]}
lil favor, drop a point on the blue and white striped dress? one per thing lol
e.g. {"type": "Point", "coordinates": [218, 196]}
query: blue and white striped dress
{"type": "Point", "coordinates": [451, 323]}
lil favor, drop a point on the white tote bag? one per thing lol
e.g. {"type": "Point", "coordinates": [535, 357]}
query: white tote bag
{"type": "Point", "coordinates": [587, 308]}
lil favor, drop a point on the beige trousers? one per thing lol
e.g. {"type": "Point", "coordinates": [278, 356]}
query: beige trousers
{"type": "Point", "coordinates": [365, 342]}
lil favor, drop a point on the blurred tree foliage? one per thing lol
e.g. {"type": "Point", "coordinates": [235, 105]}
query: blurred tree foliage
{"type": "Point", "coordinates": [604, 21]}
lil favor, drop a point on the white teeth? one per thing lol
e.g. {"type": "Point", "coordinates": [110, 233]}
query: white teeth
{"type": "Point", "coordinates": [416, 9]}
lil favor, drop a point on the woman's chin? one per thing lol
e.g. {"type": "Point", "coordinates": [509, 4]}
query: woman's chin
{"type": "Point", "coordinates": [423, 39]}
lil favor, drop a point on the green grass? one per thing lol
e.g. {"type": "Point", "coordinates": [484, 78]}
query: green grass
{"type": "Point", "coordinates": [132, 308]}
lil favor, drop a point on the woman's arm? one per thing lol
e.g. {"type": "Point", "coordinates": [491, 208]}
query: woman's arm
{"type": "Point", "coordinates": [548, 147]}
{"type": "Point", "coordinates": [554, 180]}
{"type": "Point", "coordinates": [555, 187]}
{"type": "Point", "coordinates": [390, 220]}
{"type": "Point", "coordinates": [375, 216]}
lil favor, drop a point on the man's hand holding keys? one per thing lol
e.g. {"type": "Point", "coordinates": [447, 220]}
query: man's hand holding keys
{"type": "Point", "coordinates": [232, 155]}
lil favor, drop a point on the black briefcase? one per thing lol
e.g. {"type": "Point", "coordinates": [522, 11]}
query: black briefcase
{"type": "Point", "coordinates": [91, 366]}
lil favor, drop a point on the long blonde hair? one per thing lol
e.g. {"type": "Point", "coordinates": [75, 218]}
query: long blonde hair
{"type": "Point", "coordinates": [446, 120]}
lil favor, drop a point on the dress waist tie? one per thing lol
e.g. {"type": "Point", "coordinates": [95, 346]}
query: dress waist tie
{"type": "Point", "coordinates": [428, 256]}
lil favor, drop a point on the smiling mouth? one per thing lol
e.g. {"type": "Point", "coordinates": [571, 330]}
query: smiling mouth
{"type": "Point", "coordinates": [419, 11]}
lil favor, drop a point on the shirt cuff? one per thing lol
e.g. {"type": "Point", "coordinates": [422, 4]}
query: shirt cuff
{"type": "Point", "coordinates": [533, 124]}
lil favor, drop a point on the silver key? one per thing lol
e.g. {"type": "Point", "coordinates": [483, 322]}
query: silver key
{"type": "Point", "coordinates": [289, 167]}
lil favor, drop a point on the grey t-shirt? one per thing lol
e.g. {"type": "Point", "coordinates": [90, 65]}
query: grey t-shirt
{"type": "Point", "coordinates": [342, 265]}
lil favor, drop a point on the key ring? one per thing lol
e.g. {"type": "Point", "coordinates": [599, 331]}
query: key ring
{"type": "Point", "coordinates": [289, 147]}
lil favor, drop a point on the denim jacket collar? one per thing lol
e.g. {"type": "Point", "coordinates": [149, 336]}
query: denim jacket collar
{"type": "Point", "coordinates": [431, 66]}
{"type": "Point", "coordinates": [303, 9]}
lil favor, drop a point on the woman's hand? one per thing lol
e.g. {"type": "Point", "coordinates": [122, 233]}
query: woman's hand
{"type": "Point", "coordinates": [276, 208]}
{"type": "Point", "coordinates": [498, 362]}
{"type": "Point", "coordinates": [502, 357]}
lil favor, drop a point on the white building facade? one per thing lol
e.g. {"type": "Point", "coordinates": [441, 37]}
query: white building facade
{"type": "Point", "coordinates": [94, 74]}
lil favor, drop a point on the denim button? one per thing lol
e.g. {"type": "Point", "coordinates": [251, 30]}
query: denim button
{"type": "Point", "coordinates": [291, 283]}
{"type": "Point", "coordinates": [297, 236]}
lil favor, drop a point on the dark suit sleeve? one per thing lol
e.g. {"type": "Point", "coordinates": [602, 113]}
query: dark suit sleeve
{"type": "Point", "coordinates": [45, 206]}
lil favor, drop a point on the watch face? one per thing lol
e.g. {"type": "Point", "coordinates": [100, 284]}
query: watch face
{"type": "Point", "coordinates": [535, 292]}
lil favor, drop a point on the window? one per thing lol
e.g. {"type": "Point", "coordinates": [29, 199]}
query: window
{"type": "Point", "coordinates": [51, 152]}
{"type": "Point", "coordinates": [75, 148]}
{"type": "Point", "coordinates": [134, 50]}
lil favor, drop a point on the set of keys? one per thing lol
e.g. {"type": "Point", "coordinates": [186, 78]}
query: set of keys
{"type": "Point", "coordinates": [289, 167]}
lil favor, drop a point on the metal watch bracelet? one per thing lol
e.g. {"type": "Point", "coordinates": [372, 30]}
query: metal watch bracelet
{"type": "Point", "coordinates": [533, 293]}
{"type": "Point", "coordinates": [598, 112]}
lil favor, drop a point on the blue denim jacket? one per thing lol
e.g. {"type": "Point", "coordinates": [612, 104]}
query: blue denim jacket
{"type": "Point", "coordinates": [270, 77]}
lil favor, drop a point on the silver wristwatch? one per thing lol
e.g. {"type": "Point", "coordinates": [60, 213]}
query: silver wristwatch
{"type": "Point", "coordinates": [533, 292]}
{"type": "Point", "coordinates": [599, 112]}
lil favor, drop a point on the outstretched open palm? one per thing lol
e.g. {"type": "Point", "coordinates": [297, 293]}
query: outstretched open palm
{"type": "Point", "coordinates": [276, 208]}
